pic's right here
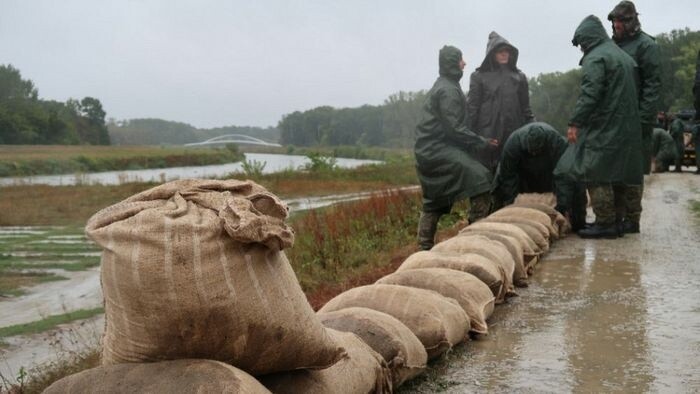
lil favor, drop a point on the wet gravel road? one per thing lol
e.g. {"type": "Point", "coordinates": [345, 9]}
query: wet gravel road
{"type": "Point", "coordinates": [600, 315]}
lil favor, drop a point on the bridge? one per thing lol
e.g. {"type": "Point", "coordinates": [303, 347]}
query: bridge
{"type": "Point", "coordinates": [233, 139]}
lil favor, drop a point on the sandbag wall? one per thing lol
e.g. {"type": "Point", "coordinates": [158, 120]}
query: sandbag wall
{"type": "Point", "coordinates": [199, 295]}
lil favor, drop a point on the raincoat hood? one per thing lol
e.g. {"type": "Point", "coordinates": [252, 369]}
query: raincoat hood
{"type": "Point", "coordinates": [589, 34]}
{"type": "Point", "coordinates": [536, 138]}
{"type": "Point", "coordinates": [495, 43]}
{"type": "Point", "coordinates": [449, 63]}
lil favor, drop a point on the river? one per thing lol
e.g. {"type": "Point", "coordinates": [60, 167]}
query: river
{"type": "Point", "coordinates": [273, 163]}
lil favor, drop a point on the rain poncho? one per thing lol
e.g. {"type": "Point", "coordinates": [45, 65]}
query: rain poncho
{"type": "Point", "coordinates": [498, 100]}
{"type": "Point", "coordinates": [527, 161]}
{"type": "Point", "coordinates": [445, 145]}
{"type": "Point", "coordinates": [606, 112]}
{"type": "Point", "coordinates": [662, 146]}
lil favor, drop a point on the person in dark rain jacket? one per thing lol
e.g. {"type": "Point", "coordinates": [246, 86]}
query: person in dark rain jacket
{"type": "Point", "coordinates": [444, 147]}
{"type": "Point", "coordinates": [628, 35]}
{"type": "Point", "coordinates": [677, 131]}
{"type": "Point", "coordinates": [663, 150]}
{"type": "Point", "coordinates": [498, 100]}
{"type": "Point", "coordinates": [605, 126]}
{"type": "Point", "coordinates": [527, 164]}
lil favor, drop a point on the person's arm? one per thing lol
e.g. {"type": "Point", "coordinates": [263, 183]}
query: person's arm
{"type": "Point", "coordinates": [592, 90]}
{"type": "Point", "coordinates": [650, 75]}
{"type": "Point", "coordinates": [474, 97]}
{"type": "Point", "coordinates": [524, 99]}
{"type": "Point", "coordinates": [452, 114]}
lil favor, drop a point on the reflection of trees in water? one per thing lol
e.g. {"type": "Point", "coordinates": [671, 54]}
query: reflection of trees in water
{"type": "Point", "coordinates": [607, 336]}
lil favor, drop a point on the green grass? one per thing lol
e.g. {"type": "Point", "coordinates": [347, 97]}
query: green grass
{"type": "Point", "coordinates": [49, 322]}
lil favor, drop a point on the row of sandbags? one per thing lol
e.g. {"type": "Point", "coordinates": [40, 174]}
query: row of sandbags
{"type": "Point", "coordinates": [199, 295]}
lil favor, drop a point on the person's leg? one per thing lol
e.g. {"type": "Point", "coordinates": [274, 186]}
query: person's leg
{"type": "Point", "coordinates": [603, 202]}
{"type": "Point", "coordinates": [678, 161]}
{"type": "Point", "coordinates": [647, 131]}
{"type": "Point", "coordinates": [633, 202]}
{"type": "Point", "coordinates": [619, 194]}
{"type": "Point", "coordinates": [427, 226]}
{"type": "Point", "coordinates": [479, 207]}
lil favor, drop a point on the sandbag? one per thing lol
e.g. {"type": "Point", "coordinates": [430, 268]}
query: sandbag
{"type": "Point", "coordinates": [558, 220]}
{"type": "Point", "coordinates": [515, 250]}
{"type": "Point", "coordinates": [438, 322]}
{"type": "Point", "coordinates": [529, 214]}
{"type": "Point", "coordinates": [178, 376]}
{"type": "Point", "coordinates": [362, 371]}
{"type": "Point", "coordinates": [529, 246]}
{"type": "Point", "coordinates": [535, 231]}
{"type": "Point", "coordinates": [471, 293]}
{"type": "Point", "coordinates": [400, 348]}
{"type": "Point", "coordinates": [470, 243]}
{"type": "Point", "coordinates": [486, 270]}
{"type": "Point", "coordinates": [195, 269]}
{"type": "Point", "coordinates": [548, 199]}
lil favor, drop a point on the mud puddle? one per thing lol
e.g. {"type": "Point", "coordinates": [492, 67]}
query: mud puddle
{"type": "Point", "coordinates": [599, 315]}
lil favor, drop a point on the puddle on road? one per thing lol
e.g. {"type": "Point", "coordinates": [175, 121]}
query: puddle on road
{"type": "Point", "coordinates": [583, 325]}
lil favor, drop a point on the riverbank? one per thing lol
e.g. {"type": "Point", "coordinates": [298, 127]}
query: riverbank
{"type": "Point", "coordinates": [26, 160]}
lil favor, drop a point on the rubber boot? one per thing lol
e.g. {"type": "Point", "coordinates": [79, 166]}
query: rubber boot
{"type": "Point", "coordinates": [427, 226]}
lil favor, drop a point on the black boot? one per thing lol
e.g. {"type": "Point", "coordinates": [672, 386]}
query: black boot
{"type": "Point", "coordinates": [427, 226]}
{"type": "Point", "coordinates": [620, 227]}
{"type": "Point", "coordinates": [630, 227]}
{"type": "Point", "coordinates": [608, 231]}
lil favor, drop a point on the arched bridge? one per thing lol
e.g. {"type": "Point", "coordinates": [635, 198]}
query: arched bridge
{"type": "Point", "coordinates": [233, 139]}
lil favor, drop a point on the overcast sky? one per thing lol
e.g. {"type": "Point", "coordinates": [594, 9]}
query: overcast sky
{"type": "Point", "coordinates": [215, 63]}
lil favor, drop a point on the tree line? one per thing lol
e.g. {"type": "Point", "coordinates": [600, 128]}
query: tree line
{"type": "Point", "coordinates": [25, 119]}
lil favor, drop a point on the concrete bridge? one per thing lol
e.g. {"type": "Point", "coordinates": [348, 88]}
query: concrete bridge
{"type": "Point", "coordinates": [233, 139]}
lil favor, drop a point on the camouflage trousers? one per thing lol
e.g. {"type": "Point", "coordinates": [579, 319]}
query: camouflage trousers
{"type": "Point", "coordinates": [647, 151]}
{"type": "Point", "coordinates": [479, 207]}
{"type": "Point", "coordinates": [613, 202]}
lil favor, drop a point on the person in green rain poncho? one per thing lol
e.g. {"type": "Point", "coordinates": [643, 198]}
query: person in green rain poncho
{"type": "Point", "coordinates": [663, 150]}
{"type": "Point", "coordinates": [605, 127]}
{"type": "Point", "coordinates": [444, 149]}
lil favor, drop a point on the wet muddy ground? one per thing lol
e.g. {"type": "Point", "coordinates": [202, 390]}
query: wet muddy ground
{"type": "Point", "coordinates": [600, 315]}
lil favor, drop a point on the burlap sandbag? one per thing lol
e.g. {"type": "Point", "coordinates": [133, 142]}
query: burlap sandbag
{"type": "Point", "coordinates": [548, 199]}
{"type": "Point", "coordinates": [529, 214]}
{"type": "Point", "coordinates": [531, 251]}
{"type": "Point", "coordinates": [558, 220]}
{"type": "Point", "coordinates": [194, 269]}
{"type": "Point", "coordinates": [400, 348]}
{"type": "Point", "coordinates": [438, 322]}
{"type": "Point", "coordinates": [471, 293]}
{"type": "Point", "coordinates": [486, 270]}
{"type": "Point", "coordinates": [362, 371]}
{"type": "Point", "coordinates": [515, 250]}
{"type": "Point", "coordinates": [178, 376]}
{"type": "Point", "coordinates": [535, 231]}
{"type": "Point", "coordinates": [471, 243]}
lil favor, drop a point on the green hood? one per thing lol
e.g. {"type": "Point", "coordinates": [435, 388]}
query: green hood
{"type": "Point", "coordinates": [449, 63]}
{"type": "Point", "coordinates": [589, 34]}
{"type": "Point", "coordinates": [496, 42]}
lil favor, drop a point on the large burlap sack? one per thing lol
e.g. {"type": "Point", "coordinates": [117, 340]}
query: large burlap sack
{"type": "Point", "coordinates": [558, 220]}
{"type": "Point", "coordinates": [486, 270]}
{"type": "Point", "coordinates": [438, 322]}
{"type": "Point", "coordinates": [471, 243]}
{"type": "Point", "coordinates": [362, 371]}
{"type": "Point", "coordinates": [516, 252]}
{"type": "Point", "coordinates": [195, 269]}
{"type": "Point", "coordinates": [535, 231]}
{"type": "Point", "coordinates": [471, 293]}
{"type": "Point", "coordinates": [178, 376]}
{"type": "Point", "coordinates": [531, 251]}
{"type": "Point", "coordinates": [400, 348]}
{"type": "Point", "coordinates": [529, 214]}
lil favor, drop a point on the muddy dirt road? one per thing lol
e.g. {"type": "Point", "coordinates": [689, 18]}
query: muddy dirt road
{"type": "Point", "coordinates": [600, 315]}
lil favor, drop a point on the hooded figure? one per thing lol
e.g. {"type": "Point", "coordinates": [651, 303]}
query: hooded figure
{"type": "Point", "coordinates": [663, 149]}
{"type": "Point", "coordinates": [444, 147]}
{"type": "Point", "coordinates": [628, 35]}
{"type": "Point", "coordinates": [498, 101]}
{"type": "Point", "coordinates": [605, 125]}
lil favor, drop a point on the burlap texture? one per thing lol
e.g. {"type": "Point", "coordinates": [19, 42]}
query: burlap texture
{"type": "Point", "coordinates": [471, 293]}
{"type": "Point", "coordinates": [535, 231]}
{"type": "Point", "coordinates": [486, 270]}
{"type": "Point", "coordinates": [194, 269]}
{"type": "Point", "coordinates": [471, 243]}
{"type": "Point", "coordinates": [516, 252]}
{"type": "Point", "coordinates": [179, 376]}
{"type": "Point", "coordinates": [529, 214]}
{"type": "Point", "coordinates": [400, 348]}
{"type": "Point", "coordinates": [362, 371]}
{"type": "Point", "coordinates": [437, 321]}
{"type": "Point", "coordinates": [558, 220]}
{"type": "Point", "coordinates": [548, 199]}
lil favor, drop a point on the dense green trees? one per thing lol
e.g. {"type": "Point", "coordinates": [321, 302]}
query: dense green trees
{"type": "Point", "coordinates": [25, 119]}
